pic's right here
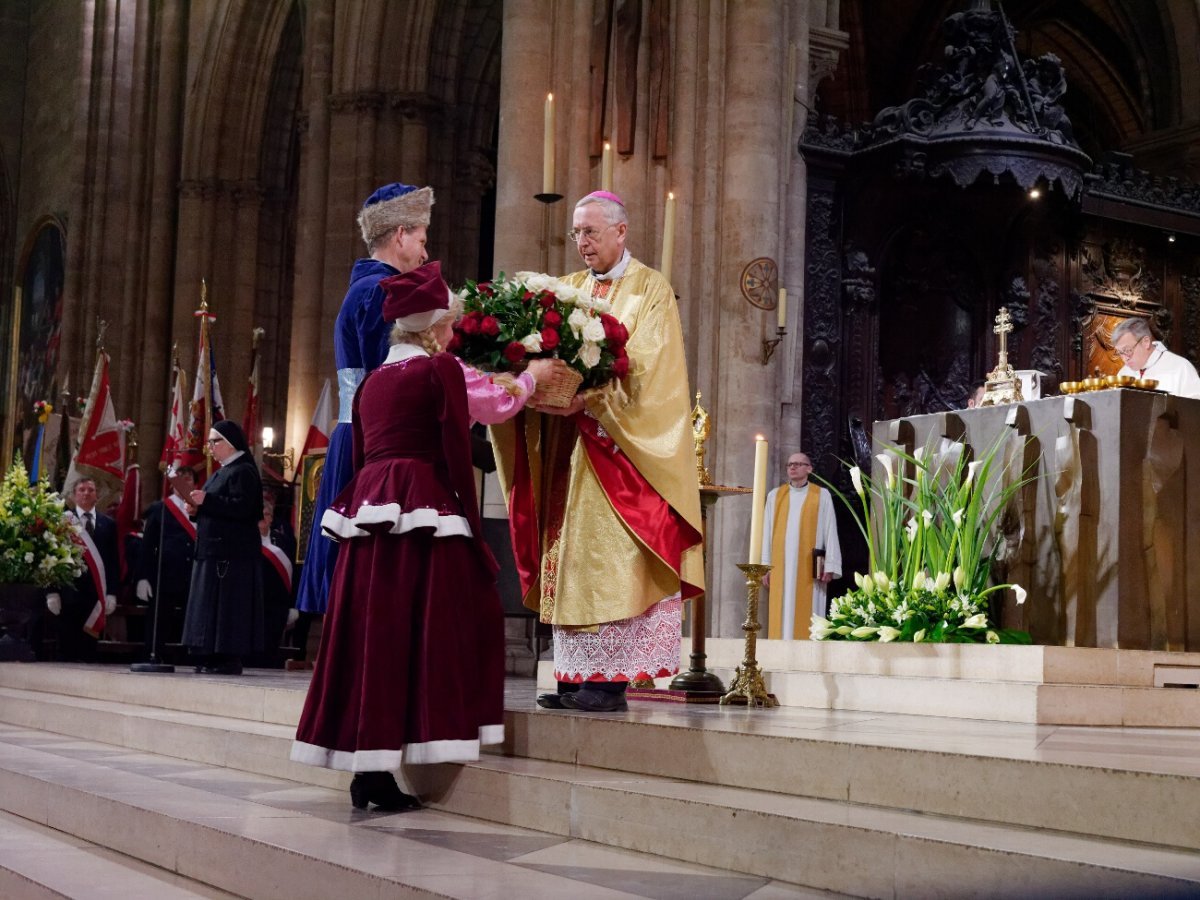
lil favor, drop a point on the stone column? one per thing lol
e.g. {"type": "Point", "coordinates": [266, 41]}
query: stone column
{"type": "Point", "coordinates": [746, 399]}
{"type": "Point", "coordinates": [307, 366]}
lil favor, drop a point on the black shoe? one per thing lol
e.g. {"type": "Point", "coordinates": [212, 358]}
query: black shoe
{"type": "Point", "coordinates": [550, 701]}
{"type": "Point", "coordinates": [380, 788]}
{"type": "Point", "coordinates": [595, 701]}
{"type": "Point", "coordinates": [229, 668]}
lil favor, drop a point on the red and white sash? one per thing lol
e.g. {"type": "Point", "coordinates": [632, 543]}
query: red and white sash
{"type": "Point", "coordinates": [175, 505]}
{"type": "Point", "coordinates": [279, 561]}
{"type": "Point", "coordinates": [95, 566]}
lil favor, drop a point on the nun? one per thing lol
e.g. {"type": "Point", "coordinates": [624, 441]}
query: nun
{"type": "Point", "coordinates": [224, 619]}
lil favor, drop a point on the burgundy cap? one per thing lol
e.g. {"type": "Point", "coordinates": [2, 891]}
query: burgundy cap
{"type": "Point", "coordinates": [416, 299]}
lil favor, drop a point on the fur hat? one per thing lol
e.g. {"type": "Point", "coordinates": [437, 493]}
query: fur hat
{"type": "Point", "coordinates": [393, 206]}
{"type": "Point", "coordinates": [416, 299]}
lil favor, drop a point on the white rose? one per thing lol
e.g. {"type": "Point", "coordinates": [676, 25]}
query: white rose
{"type": "Point", "coordinates": [532, 342]}
{"type": "Point", "coordinates": [26, 511]}
{"type": "Point", "coordinates": [601, 305]}
{"type": "Point", "coordinates": [593, 330]}
{"type": "Point", "coordinates": [577, 319]}
{"type": "Point", "coordinates": [589, 354]}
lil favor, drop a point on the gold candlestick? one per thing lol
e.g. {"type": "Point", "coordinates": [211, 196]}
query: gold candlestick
{"type": "Point", "coordinates": [747, 686]}
{"type": "Point", "coordinates": [701, 428]}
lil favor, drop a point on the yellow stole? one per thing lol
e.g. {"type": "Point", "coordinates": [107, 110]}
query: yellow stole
{"type": "Point", "coordinates": [804, 566]}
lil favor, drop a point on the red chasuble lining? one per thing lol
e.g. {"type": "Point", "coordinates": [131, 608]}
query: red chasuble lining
{"type": "Point", "coordinates": [657, 525]}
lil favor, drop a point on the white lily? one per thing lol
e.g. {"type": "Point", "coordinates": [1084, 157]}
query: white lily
{"type": "Point", "coordinates": [927, 517]}
{"type": "Point", "coordinates": [993, 638]}
{"type": "Point", "coordinates": [882, 581]}
{"type": "Point", "coordinates": [858, 579]}
{"type": "Point", "coordinates": [979, 620]}
{"type": "Point", "coordinates": [919, 636]}
{"type": "Point", "coordinates": [886, 461]}
{"type": "Point", "coordinates": [1021, 593]}
{"type": "Point", "coordinates": [957, 516]}
{"type": "Point", "coordinates": [856, 479]}
{"type": "Point", "coordinates": [942, 581]}
{"type": "Point", "coordinates": [960, 578]}
{"type": "Point", "coordinates": [911, 530]}
{"type": "Point", "coordinates": [888, 633]}
{"type": "Point", "coordinates": [918, 582]}
{"type": "Point", "coordinates": [972, 468]}
{"type": "Point", "coordinates": [843, 629]}
{"type": "Point", "coordinates": [863, 631]}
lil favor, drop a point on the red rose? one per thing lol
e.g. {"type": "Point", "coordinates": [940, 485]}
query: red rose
{"type": "Point", "coordinates": [549, 338]}
{"type": "Point", "coordinates": [470, 323]}
{"type": "Point", "coordinates": [489, 326]}
{"type": "Point", "coordinates": [621, 366]}
{"type": "Point", "coordinates": [619, 353]}
{"type": "Point", "coordinates": [612, 327]}
{"type": "Point", "coordinates": [623, 338]}
{"type": "Point", "coordinates": [528, 296]}
{"type": "Point", "coordinates": [547, 299]}
{"type": "Point", "coordinates": [552, 318]}
{"type": "Point", "coordinates": [514, 352]}
{"type": "Point", "coordinates": [487, 290]}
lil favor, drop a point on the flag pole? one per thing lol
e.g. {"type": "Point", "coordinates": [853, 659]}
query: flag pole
{"type": "Point", "coordinates": [14, 369]}
{"type": "Point", "coordinates": [207, 364]}
{"type": "Point", "coordinates": [154, 664]}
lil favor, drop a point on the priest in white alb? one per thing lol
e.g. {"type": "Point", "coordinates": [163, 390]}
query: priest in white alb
{"type": "Point", "coordinates": [800, 539]}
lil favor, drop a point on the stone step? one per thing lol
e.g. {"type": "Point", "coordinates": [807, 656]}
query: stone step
{"type": "Point", "coordinates": [838, 846]}
{"type": "Point", "coordinates": [970, 770]}
{"type": "Point", "coordinates": [268, 838]}
{"type": "Point", "coordinates": [38, 862]}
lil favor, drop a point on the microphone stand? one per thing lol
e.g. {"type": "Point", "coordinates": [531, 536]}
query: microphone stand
{"type": "Point", "coordinates": [154, 665]}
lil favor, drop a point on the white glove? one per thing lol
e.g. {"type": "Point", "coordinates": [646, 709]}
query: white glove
{"type": "Point", "coordinates": [293, 616]}
{"type": "Point", "coordinates": [110, 604]}
{"type": "Point", "coordinates": [54, 604]}
{"type": "Point", "coordinates": [144, 591]}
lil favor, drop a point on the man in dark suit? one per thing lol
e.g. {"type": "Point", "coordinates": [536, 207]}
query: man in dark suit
{"type": "Point", "coordinates": [77, 605]}
{"type": "Point", "coordinates": [164, 568]}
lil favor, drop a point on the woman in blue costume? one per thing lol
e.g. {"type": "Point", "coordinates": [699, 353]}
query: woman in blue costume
{"type": "Point", "coordinates": [393, 223]}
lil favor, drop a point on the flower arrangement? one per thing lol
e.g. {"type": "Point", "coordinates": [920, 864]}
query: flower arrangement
{"type": "Point", "coordinates": [530, 316]}
{"type": "Point", "coordinates": [42, 411]}
{"type": "Point", "coordinates": [931, 550]}
{"type": "Point", "coordinates": [36, 545]}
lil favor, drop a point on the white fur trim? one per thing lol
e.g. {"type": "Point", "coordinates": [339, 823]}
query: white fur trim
{"type": "Point", "coordinates": [425, 753]}
{"type": "Point", "coordinates": [342, 528]}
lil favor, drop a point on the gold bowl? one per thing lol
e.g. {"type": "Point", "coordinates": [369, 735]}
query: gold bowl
{"type": "Point", "coordinates": [1069, 387]}
{"type": "Point", "coordinates": [1123, 381]}
{"type": "Point", "coordinates": [1092, 384]}
{"type": "Point", "coordinates": [1145, 384]}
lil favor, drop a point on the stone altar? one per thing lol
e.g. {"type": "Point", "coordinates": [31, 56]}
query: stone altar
{"type": "Point", "coordinates": [1106, 538]}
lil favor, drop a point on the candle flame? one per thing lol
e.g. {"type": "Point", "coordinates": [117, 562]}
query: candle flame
{"type": "Point", "coordinates": [760, 437]}
{"type": "Point", "coordinates": [670, 195]}
{"type": "Point", "coordinates": [550, 97]}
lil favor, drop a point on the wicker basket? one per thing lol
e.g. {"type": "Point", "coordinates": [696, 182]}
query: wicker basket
{"type": "Point", "coordinates": [560, 389]}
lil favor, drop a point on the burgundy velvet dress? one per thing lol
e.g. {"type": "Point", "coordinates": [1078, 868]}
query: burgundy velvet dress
{"type": "Point", "coordinates": [411, 664]}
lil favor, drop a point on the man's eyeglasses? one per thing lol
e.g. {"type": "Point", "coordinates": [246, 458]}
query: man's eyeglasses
{"type": "Point", "coordinates": [589, 234]}
{"type": "Point", "coordinates": [1125, 354]}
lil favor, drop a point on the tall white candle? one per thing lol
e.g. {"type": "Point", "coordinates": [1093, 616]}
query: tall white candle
{"type": "Point", "coordinates": [606, 168]}
{"type": "Point", "coordinates": [781, 309]}
{"type": "Point", "coordinates": [758, 498]}
{"type": "Point", "coordinates": [548, 148]}
{"type": "Point", "coordinates": [668, 245]}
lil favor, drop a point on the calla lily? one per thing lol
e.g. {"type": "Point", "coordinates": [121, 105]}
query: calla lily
{"type": "Point", "coordinates": [888, 633]}
{"type": "Point", "coordinates": [993, 638]}
{"type": "Point", "coordinates": [1021, 593]}
{"type": "Point", "coordinates": [863, 631]}
{"type": "Point", "coordinates": [972, 468]}
{"type": "Point", "coordinates": [911, 530]}
{"type": "Point", "coordinates": [942, 581]}
{"type": "Point", "coordinates": [856, 479]}
{"type": "Point", "coordinates": [919, 636]}
{"type": "Point", "coordinates": [957, 516]}
{"type": "Point", "coordinates": [959, 578]}
{"type": "Point", "coordinates": [979, 620]}
{"type": "Point", "coordinates": [886, 461]}
{"type": "Point", "coordinates": [927, 516]}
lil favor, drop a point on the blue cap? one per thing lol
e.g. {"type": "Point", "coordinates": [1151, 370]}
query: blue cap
{"type": "Point", "coordinates": [389, 192]}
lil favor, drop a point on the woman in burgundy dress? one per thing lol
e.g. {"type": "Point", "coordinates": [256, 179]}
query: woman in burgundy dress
{"type": "Point", "coordinates": [412, 659]}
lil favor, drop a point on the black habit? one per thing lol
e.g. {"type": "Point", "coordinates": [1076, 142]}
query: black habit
{"type": "Point", "coordinates": [225, 603]}
{"type": "Point", "coordinates": [172, 583]}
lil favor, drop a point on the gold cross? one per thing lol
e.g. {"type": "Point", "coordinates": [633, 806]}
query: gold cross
{"type": "Point", "coordinates": [1003, 327]}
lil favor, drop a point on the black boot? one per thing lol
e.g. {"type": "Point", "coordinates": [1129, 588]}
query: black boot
{"type": "Point", "coordinates": [380, 789]}
{"type": "Point", "coordinates": [554, 701]}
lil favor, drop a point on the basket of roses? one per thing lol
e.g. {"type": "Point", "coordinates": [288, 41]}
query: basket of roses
{"type": "Point", "coordinates": [508, 321]}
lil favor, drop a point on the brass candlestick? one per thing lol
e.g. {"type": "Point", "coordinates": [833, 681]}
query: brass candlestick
{"type": "Point", "coordinates": [701, 428]}
{"type": "Point", "coordinates": [748, 684]}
